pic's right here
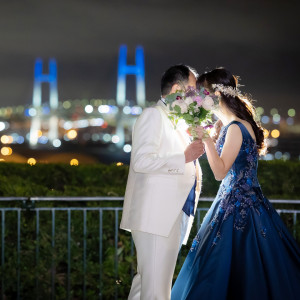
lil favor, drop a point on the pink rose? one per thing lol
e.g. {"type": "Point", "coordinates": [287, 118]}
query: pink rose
{"type": "Point", "coordinates": [199, 100]}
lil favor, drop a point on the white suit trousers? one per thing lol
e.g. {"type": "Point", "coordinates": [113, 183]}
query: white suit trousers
{"type": "Point", "coordinates": [156, 261]}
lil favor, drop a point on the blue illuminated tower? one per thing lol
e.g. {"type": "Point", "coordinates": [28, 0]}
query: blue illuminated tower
{"type": "Point", "coordinates": [40, 78]}
{"type": "Point", "coordinates": [123, 70]}
{"type": "Point", "coordinates": [138, 70]}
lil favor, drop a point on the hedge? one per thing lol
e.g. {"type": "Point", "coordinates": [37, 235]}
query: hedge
{"type": "Point", "coordinates": [278, 179]}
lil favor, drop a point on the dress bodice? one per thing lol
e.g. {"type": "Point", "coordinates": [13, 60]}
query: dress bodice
{"type": "Point", "coordinates": [244, 169]}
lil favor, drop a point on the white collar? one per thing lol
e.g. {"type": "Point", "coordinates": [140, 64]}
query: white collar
{"type": "Point", "coordinates": [163, 100]}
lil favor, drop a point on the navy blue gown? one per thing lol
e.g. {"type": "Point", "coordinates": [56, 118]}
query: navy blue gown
{"type": "Point", "coordinates": [243, 251]}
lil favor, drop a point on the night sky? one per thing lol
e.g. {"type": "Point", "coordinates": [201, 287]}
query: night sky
{"type": "Point", "coordinates": [257, 40]}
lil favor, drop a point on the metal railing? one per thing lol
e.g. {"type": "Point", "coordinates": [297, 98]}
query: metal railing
{"type": "Point", "coordinates": [36, 206]}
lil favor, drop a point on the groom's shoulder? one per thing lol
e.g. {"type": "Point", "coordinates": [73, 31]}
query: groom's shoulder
{"type": "Point", "coordinates": [151, 111]}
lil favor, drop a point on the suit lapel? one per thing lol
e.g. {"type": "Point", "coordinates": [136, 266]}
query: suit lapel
{"type": "Point", "coordinates": [162, 107]}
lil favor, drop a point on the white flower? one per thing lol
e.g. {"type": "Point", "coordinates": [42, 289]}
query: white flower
{"type": "Point", "coordinates": [174, 103]}
{"type": "Point", "coordinates": [189, 100]}
{"type": "Point", "coordinates": [183, 106]}
{"type": "Point", "coordinates": [208, 103]}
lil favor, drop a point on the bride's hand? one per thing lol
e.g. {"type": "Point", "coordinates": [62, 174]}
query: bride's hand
{"type": "Point", "coordinates": [201, 132]}
{"type": "Point", "coordinates": [203, 135]}
{"type": "Point", "coordinates": [218, 126]}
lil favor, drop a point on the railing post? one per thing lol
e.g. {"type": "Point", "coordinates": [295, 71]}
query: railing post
{"type": "Point", "coordinates": [37, 249]}
{"type": "Point", "coordinates": [100, 251]}
{"type": "Point", "coordinates": [84, 253]}
{"type": "Point", "coordinates": [18, 253]}
{"type": "Point", "coordinates": [69, 256]}
{"type": "Point", "coordinates": [2, 252]}
{"type": "Point", "coordinates": [53, 250]}
{"type": "Point", "coordinates": [116, 251]}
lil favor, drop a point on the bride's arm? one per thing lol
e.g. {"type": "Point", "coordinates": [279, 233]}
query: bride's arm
{"type": "Point", "coordinates": [220, 165]}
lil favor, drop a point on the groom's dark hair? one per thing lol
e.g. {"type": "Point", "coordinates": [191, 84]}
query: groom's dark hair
{"type": "Point", "coordinates": [175, 74]}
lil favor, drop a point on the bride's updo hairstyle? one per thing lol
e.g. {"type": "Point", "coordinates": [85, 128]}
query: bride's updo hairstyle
{"type": "Point", "coordinates": [235, 102]}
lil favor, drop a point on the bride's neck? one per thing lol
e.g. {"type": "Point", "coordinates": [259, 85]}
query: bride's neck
{"type": "Point", "coordinates": [227, 117]}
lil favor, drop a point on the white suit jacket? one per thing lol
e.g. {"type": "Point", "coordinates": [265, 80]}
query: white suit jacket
{"type": "Point", "coordinates": [159, 180]}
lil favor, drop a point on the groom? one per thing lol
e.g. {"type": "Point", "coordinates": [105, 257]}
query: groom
{"type": "Point", "coordinates": [162, 190]}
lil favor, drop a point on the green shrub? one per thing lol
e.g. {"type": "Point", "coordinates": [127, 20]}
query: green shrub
{"type": "Point", "coordinates": [278, 179]}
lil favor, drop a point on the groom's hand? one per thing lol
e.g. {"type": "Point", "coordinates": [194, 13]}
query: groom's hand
{"type": "Point", "coordinates": [194, 151]}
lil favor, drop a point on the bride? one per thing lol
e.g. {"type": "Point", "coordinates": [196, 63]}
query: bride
{"type": "Point", "coordinates": [243, 250]}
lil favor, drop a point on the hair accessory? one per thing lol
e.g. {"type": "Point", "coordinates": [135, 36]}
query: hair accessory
{"type": "Point", "coordinates": [227, 90]}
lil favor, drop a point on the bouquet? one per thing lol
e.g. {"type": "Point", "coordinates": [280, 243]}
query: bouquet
{"type": "Point", "coordinates": [193, 106]}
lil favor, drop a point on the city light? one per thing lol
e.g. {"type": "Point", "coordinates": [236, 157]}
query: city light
{"type": "Point", "coordinates": [266, 133]}
{"type": "Point", "coordinates": [286, 156]}
{"type": "Point", "coordinates": [68, 125]}
{"type": "Point", "coordinates": [72, 134]}
{"type": "Point", "coordinates": [95, 137]}
{"type": "Point", "coordinates": [291, 112]}
{"type": "Point", "coordinates": [272, 142]}
{"type": "Point", "coordinates": [8, 111]}
{"type": "Point", "coordinates": [20, 109]}
{"type": "Point", "coordinates": [265, 119]}
{"type": "Point", "coordinates": [97, 122]}
{"type": "Point", "coordinates": [274, 111]}
{"type": "Point", "coordinates": [136, 110]}
{"type": "Point", "coordinates": [127, 148]}
{"type": "Point", "coordinates": [20, 139]}
{"type": "Point", "coordinates": [275, 133]}
{"type": "Point", "coordinates": [269, 156]}
{"type": "Point", "coordinates": [115, 139]}
{"type": "Point", "coordinates": [126, 110]}
{"type": "Point", "coordinates": [15, 137]}
{"type": "Point", "coordinates": [119, 164]}
{"type": "Point", "coordinates": [103, 109]}
{"type": "Point", "coordinates": [46, 110]}
{"type": "Point", "coordinates": [2, 126]}
{"type": "Point", "coordinates": [278, 155]}
{"type": "Point", "coordinates": [74, 162]}
{"type": "Point", "coordinates": [81, 124]}
{"type": "Point", "coordinates": [56, 143]}
{"type": "Point", "coordinates": [106, 137]}
{"type": "Point", "coordinates": [259, 110]}
{"type": "Point", "coordinates": [32, 112]}
{"type": "Point", "coordinates": [43, 140]}
{"type": "Point", "coordinates": [6, 139]}
{"type": "Point", "coordinates": [67, 104]}
{"type": "Point", "coordinates": [290, 121]}
{"type": "Point", "coordinates": [39, 133]}
{"type": "Point", "coordinates": [5, 151]}
{"type": "Point", "coordinates": [276, 118]}
{"type": "Point", "coordinates": [89, 109]}
{"type": "Point", "coordinates": [31, 161]}
{"type": "Point", "coordinates": [114, 109]}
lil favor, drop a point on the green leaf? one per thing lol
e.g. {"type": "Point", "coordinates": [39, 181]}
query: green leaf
{"type": "Point", "coordinates": [177, 109]}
